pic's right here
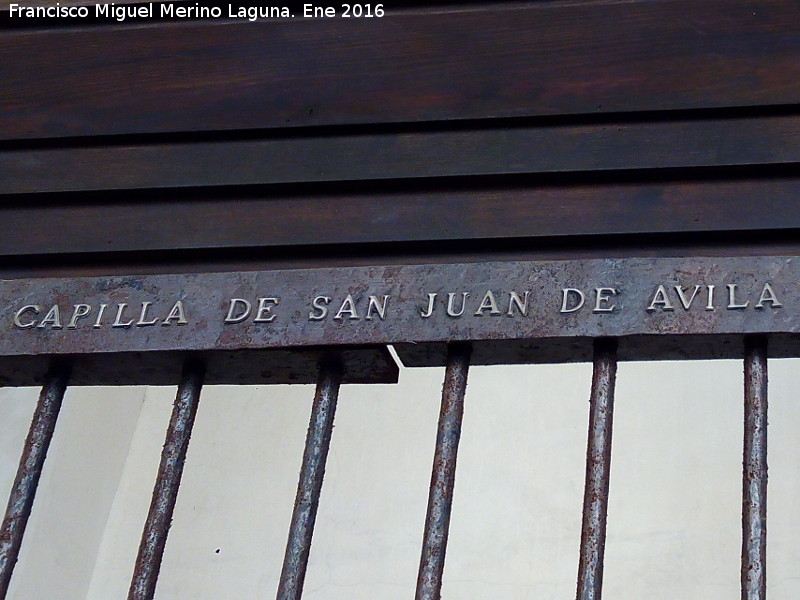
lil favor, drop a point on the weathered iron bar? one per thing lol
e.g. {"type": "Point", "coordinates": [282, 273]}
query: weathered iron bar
{"type": "Point", "coordinates": [29, 471]}
{"type": "Point", "coordinates": [309, 487]}
{"type": "Point", "coordinates": [440, 498]}
{"type": "Point", "coordinates": [598, 470]}
{"type": "Point", "coordinates": [754, 471]}
{"type": "Point", "coordinates": [165, 493]}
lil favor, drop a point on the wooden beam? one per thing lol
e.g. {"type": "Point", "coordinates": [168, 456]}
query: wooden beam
{"type": "Point", "coordinates": [614, 145]}
{"type": "Point", "coordinates": [269, 219]}
{"type": "Point", "coordinates": [434, 64]}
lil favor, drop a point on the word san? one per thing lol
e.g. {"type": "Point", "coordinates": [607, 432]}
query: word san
{"type": "Point", "coordinates": [349, 309]}
{"type": "Point", "coordinates": [122, 314]}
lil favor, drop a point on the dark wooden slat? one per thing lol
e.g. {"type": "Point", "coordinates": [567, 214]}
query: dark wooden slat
{"type": "Point", "coordinates": [268, 222]}
{"type": "Point", "coordinates": [422, 65]}
{"type": "Point", "coordinates": [266, 259]}
{"type": "Point", "coordinates": [596, 147]}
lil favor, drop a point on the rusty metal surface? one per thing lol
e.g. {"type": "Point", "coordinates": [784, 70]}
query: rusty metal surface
{"type": "Point", "coordinates": [754, 471]}
{"type": "Point", "coordinates": [598, 471]}
{"type": "Point", "coordinates": [290, 295]}
{"type": "Point", "coordinates": [309, 486]}
{"type": "Point", "coordinates": [632, 348]}
{"type": "Point", "coordinates": [440, 499]}
{"type": "Point", "coordinates": [371, 364]}
{"type": "Point", "coordinates": [165, 493]}
{"type": "Point", "coordinates": [31, 463]}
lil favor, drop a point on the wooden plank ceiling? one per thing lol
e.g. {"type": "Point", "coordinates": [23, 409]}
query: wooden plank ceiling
{"type": "Point", "coordinates": [437, 132]}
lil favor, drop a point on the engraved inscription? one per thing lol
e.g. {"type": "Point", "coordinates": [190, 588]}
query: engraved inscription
{"type": "Point", "coordinates": [350, 309]}
{"type": "Point", "coordinates": [456, 303]}
{"type": "Point", "coordinates": [574, 299]}
{"type": "Point", "coordinates": [664, 300]}
{"type": "Point", "coordinates": [27, 317]}
{"type": "Point", "coordinates": [453, 305]}
{"type": "Point", "coordinates": [401, 304]}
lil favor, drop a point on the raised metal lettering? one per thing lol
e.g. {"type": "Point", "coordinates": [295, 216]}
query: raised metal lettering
{"type": "Point", "coordinates": [732, 298]}
{"type": "Point", "coordinates": [264, 313]}
{"type": "Point", "coordinates": [118, 320]}
{"type": "Point", "coordinates": [425, 314]}
{"type": "Point", "coordinates": [142, 322]}
{"type": "Point", "coordinates": [686, 303]}
{"type": "Point", "coordinates": [603, 296]}
{"type": "Point", "coordinates": [78, 312]}
{"type": "Point", "coordinates": [34, 308]}
{"type": "Point", "coordinates": [232, 317]}
{"type": "Point", "coordinates": [660, 300]}
{"type": "Point", "coordinates": [521, 303]}
{"type": "Point", "coordinates": [52, 318]}
{"type": "Point", "coordinates": [451, 311]}
{"type": "Point", "coordinates": [318, 304]}
{"type": "Point", "coordinates": [380, 309]}
{"type": "Point", "coordinates": [566, 305]}
{"type": "Point", "coordinates": [488, 303]}
{"type": "Point", "coordinates": [177, 314]}
{"type": "Point", "coordinates": [768, 295]}
{"type": "Point", "coordinates": [710, 303]}
{"type": "Point", "coordinates": [100, 311]}
{"type": "Point", "coordinates": [348, 307]}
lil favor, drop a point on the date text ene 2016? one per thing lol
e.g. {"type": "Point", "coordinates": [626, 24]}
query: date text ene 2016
{"type": "Point", "coordinates": [345, 11]}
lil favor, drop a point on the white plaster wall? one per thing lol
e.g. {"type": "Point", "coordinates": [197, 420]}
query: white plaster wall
{"type": "Point", "coordinates": [674, 518]}
{"type": "Point", "coordinates": [77, 488]}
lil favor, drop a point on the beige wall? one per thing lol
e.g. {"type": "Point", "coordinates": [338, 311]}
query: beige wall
{"type": "Point", "coordinates": [674, 514]}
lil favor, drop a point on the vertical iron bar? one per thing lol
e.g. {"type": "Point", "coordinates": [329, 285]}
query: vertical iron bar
{"type": "Point", "coordinates": [754, 471]}
{"type": "Point", "coordinates": [165, 492]}
{"type": "Point", "coordinates": [309, 487]}
{"type": "Point", "coordinates": [598, 470]}
{"type": "Point", "coordinates": [29, 471]}
{"type": "Point", "coordinates": [440, 498]}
